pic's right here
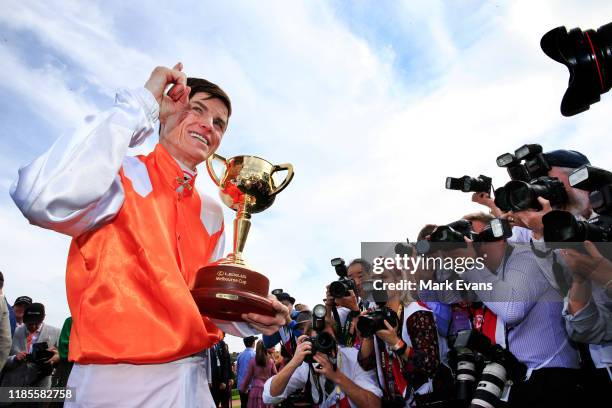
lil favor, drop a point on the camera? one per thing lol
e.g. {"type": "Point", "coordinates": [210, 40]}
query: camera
{"type": "Point", "coordinates": [527, 163]}
{"type": "Point", "coordinates": [373, 321]}
{"type": "Point", "coordinates": [452, 233]}
{"type": "Point", "coordinates": [562, 226]}
{"type": "Point", "coordinates": [496, 230]}
{"type": "Point", "coordinates": [480, 184]}
{"type": "Point", "coordinates": [341, 287]}
{"type": "Point", "coordinates": [39, 353]}
{"type": "Point", "coordinates": [518, 195]}
{"type": "Point", "coordinates": [452, 236]}
{"type": "Point", "coordinates": [588, 57]}
{"type": "Point", "coordinates": [323, 342]}
{"type": "Point", "coordinates": [500, 366]}
{"type": "Point", "coordinates": [598, 182]}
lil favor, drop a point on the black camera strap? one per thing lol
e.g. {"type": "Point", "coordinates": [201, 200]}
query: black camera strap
{"type": "Point", "coordinates": [388, 382]}
{"type": "Point", "coordinates": [308, 389]}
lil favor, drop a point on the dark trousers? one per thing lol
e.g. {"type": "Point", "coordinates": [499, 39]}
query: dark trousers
{"type": "Point", "coordinates": [221, 398]}
{"type": "Point", "coordinates": [244, 399]}
{"type": "Point", "coordinates": [550, 387]}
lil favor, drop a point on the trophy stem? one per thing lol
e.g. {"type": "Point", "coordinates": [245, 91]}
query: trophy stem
{"type": "Point", "coordinates": [242, 224]}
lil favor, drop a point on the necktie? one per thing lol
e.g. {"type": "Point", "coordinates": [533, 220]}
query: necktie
{"type": "Point", "coordinates": [29, 342]}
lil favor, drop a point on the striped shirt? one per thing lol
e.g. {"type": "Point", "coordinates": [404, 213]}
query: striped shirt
{"type": "Point", "coordinates": [531, 309]}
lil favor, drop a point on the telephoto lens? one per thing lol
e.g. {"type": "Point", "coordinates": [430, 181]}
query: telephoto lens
{"type": "Point", "coordinates": [490, 387]}
{"type": "Point", "coordinates": [521, 196]}
{"type": "Point", "coordinates": [466, 374]}
{"type": "Point", "coordinates": [588, 57]}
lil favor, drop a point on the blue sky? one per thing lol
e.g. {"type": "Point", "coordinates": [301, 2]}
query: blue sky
{"type": "Point", "coordinates": [374, 103]}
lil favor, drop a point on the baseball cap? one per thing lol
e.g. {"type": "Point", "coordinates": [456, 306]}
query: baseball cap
{"type": "Point", "coordinates": [286, 296]}
{"type": "Point", "coordinates": [34, 313]}
{"type": "Point", "coordinates": [566, 158]}
{"type": "Point", "coordinates": [23, 300]}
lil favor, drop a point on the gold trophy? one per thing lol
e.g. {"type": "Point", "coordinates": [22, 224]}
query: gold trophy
{"type": "Point", "coordinates": [228, 288]}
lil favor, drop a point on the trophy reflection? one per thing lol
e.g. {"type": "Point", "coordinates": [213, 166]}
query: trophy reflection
{"type": "Point", "coordinates": [228, 288]}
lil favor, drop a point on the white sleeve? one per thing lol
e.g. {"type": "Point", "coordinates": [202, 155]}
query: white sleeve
{"type": "Point", "coordinates": [296, 382]}
{"type": "Point", "coordinates": [74, 186]}
{"type": "Point", "coordinates": [363, 379]}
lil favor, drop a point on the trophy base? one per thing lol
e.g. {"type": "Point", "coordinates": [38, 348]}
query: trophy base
{"type": "Point", "coordinates": [226, 289]}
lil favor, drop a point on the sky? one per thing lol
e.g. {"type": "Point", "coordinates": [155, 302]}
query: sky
{"type": "Point", "coordinates": [373, 102]}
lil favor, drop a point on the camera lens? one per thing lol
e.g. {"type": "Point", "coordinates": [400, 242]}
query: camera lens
{"type": "Point", "coordinates": [325, 343]}
{"type": "Point", "coordinates": [338, 289]}
{"type": "Point", "coordinates": [519, 195]}
{"type": "Point", "coordinates": [588, 57]}
{"type": "Point", "coordinates": [490, 386]}
{"type": "Point", "coordinates": [366, 325]}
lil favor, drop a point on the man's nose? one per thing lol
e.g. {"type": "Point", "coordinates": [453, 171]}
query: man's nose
{"type": "Point", "coordinates": [206, 121]}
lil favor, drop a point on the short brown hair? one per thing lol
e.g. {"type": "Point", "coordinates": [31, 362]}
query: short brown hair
{"type": "Point", "coordinates": [479, 216]}
{"type": "Point", "coordinates": [214, 90]}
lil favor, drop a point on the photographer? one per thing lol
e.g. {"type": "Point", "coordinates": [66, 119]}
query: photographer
{"type": "Point", "coordinates": [530, 308]}
{"type": "Point", "coordinates": [332, 376]}
{"type": "Point", "coordinates": [345, 298]}
{"type": "Point", "coordinates": [33, 353]}
{"type": "Point", "coordinates": [588, 314]}
{"type": "Point", "coordinates": [562, 163]}
{"type": "Point", "coordinates": [401, 340]}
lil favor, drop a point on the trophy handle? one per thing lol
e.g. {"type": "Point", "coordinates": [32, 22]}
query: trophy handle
{"type": "Point", "coordinates": [210, 168]}
{"type": "Point", "coordinates": [281, 167]}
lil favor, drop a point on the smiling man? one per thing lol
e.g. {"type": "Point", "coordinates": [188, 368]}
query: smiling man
{"type": "Point", "coordinates": [140, 233]}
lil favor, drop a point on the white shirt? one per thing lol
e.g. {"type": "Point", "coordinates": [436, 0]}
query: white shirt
{"type": "Point", "coordinates": [347, 364]}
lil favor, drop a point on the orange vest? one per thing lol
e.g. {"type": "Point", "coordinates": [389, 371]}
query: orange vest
{"type": "Point", "coordinates": [128, 281]}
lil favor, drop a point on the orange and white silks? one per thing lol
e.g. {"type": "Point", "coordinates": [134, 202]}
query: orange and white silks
{"type": "Point", "coordinates": [138, 239]}
{"type": "Point", "coordinates": [128, 281]}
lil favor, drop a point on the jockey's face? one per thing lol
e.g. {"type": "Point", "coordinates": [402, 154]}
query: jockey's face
{"type": "Point", "coordinates": [192, 135]}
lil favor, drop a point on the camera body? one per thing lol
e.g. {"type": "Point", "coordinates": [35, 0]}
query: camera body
{"type": "Point", "coordinates": [341, 287]}
{"type": "Point", "coordinates": [480, 184]}
{"type": "Point", "coordinates": [452, 236]}
{"type": "Point", "coordinates": [528, 170]}
{"type": "Point", "coordinates": [373, 321]}
{"type": "Point", "coordinates": [39, 353]}
{"type": "Point", "coordinates": [323, 342]}
{"type": "Point", "coordinates": [527, 163]}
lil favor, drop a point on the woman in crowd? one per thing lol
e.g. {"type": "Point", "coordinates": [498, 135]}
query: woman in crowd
{"type": "Point", "coordinates": [260, 369]}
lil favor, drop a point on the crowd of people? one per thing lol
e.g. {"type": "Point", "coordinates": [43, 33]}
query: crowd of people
{"type": "Point", "coordinates": [535, 332]}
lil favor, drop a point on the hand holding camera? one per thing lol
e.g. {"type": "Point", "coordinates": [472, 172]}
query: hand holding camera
{"type": "Point", "coordinates": [532, 219]}
{"type": "Point", "coordinates": [303, 349]}
{"type": "Point", "coordinates": [388, 334]}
